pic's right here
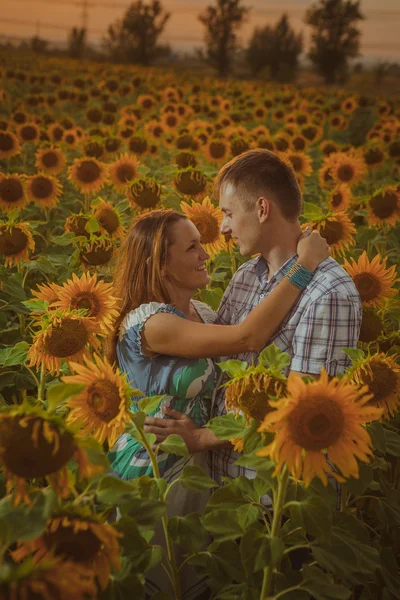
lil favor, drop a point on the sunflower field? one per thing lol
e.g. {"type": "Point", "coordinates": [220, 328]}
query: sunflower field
{"type": "Point", "coordinates": [86, 147]}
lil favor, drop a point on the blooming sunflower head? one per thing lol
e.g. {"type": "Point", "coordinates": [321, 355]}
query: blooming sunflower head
{"type": "Point", "coordinates": [207, 218]}
{"type": "Point", "coordinates": [374, 155]}
{"type": "Point", "coordinates": [300, 162]}
{"type": "Point", "coordinates": [12, 192]}
{"type": "Point", "coordinates": [89, 294]}
{"type": "Point", "coordinates": [339, 198]}
{"type": "Point", "coordinates": [37, 445]}
{"type": "Point", "coordinates": [191, 182]}
{"type": "Point", "coordinates": [320, 421]}
{"type": "Point", "coordinates": [28, 132]}
{"type": "Point", "coordinates": [123, 171]}
{"type": "Point", "coordinates": [16, 242]}
{"type": "Point", "coordinates": [372, 279]}
{"type": "Point", "coordinates": [381, 374]}
{"type": "Point", "coordinates": [88, 175]}
{"type": "Point", "coordinates": [9, 145]}
{"type": "Point", "coordinates": [384, 207]}
{"type": "Point", "coordinates": [337, 229]}
{"type": "Point", "coordinates": [50, 160]}
{"type": "Point", "coordinates": [144, 194]}
{"type": "Point", "coordinates": [216, 150]}
{"type": "Point", "coordinates": [346, 167]}
{"type": "Point", "coordinates": [44, 190]}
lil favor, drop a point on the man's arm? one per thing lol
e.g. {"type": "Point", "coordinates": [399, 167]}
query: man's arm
{"type": "Point", "coordinates": [329, 324]}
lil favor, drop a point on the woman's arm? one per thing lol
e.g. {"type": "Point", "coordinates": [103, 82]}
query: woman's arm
{"type": "Point", "coordinates": [174, 336]}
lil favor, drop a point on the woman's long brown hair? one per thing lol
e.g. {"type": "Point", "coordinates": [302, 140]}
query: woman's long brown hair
{"type": "Point", "coordinates": [140, 262]}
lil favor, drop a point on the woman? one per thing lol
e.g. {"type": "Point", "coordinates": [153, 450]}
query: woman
{"type": "Point", "coordinates": [165, 342]}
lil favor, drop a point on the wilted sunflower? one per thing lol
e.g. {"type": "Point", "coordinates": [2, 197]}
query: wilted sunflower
{"type": "Point", "coordinates": [64, 335]}
{"type": "Point", "coordinates": [381, 374]}
{"type": "Point", "coordinates": [191, 182]}
{"type": "Point", "coordinates": [76, 224]}
{"type": "Point", "coordinates": [86, 292]}
{"type": "Point", "coordinates": [252, 391]}
{"type": "Point", "coordinates": [138, 145]}
{"type": "Point", "coordinates": [319, 421]}
{"type": "Point", "coordinates": [50, 160]}
{"type": "Point", "coordinates": [346, 168]}
{"type": "Point", "coordinates": [43, 190]}
{"type": "Point", "coordinates": [51, 579]}
{"type": "Point", "coordinates": [80, 538]}
{"type": "Point", "coordinates": [373, 281]}
{"type": "Point", "coordinates": [374, 155]}
{"type": "Point", "coordinates": [338, 230]}
{"type": "Point", "coordinates": [9, 145]}
{"type": "Point", "coordinates": [207, 218]}
{"type": "Point", "coordinates": [372, 325]}
{"type": "Point", "coordinates": [28, 132]}
{"type": "Point", "coordinates": [123, 171]}
{"type": "Point", "coordinates": [12, 192]}
{"type": "Point", "coordinates": [16, 242]}
{"type": "Point", "coordinates": [102, 408]}
{"type": "Point", "coordinates": [97, 252]}
{"type": "Point", "coordinates": [88, 175]}
{"type": "Point", "coordinates": [109, 219]}
{"type": "Point", "coordinates": [144, 194]}
{"type": "Point", "coordinates": [36, 445]}
{"type": "Point", "coordinates": [384, 207]}
{"type": "Point", "coordinates": [339, 198]}
{"type": "Point", "coordinates": [185, 159]}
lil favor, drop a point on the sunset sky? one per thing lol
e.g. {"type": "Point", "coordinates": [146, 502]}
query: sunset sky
{"type": "Point", "coordinates": [53, 18]}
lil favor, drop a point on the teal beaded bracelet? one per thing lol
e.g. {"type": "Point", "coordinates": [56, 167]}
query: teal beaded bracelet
{"type": "Point", "coordinates": [298, 275]}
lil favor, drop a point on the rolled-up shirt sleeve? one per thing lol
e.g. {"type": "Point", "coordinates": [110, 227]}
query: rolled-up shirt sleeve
{"type": "Point", "coordinates": [329, 324]}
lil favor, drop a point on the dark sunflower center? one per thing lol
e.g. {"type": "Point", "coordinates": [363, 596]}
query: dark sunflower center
{"type": "Point", "coordinates": [104, 399]}
{"type": "Point", "coordinates": [12, 241]}
{"type": "Point", "coordinates": [137, 145]}
{"type": "Point", "coordinates": [373, 156]}
{"type": "Point", "coordinates": [381, 382]}
{"type": "Point", "coordinates": [208, 227]}
{"type": "Point", "coordinates": [297, 163]}
{"type": "Point", "coordinates": [336, 199]}
{"type": "Point", "coordinates": [100, 254]}
{"type": "Point", "coordinates": [42, 187]}
{"type": "Point", "coordinates": [345, 172]}
{"type": "Point", "coordinates": [6, 142]}
{"type": "Point", "coordinates": [11, 190]}
{"type": "Point", "coordinates": [368, 286]}
{"type": "Point", "coordinates": [79, 546]}
{"type": "Point", "coordinates": [384, 205]}
{"type": "Point", "coordinates": [281, 144]}
{"type": "Point", "coordinates": [125, 172]}
{"type": "Point", "coordinates": [328, 149]}
{"type": "Point", "coordinates": [217, 149]}
{"type": "Point", "coordinates": [298, 143]}
{"type": "Point", "coordinates": [255, 403]}
{"type": "Point", "coordinates": [88, 301]}
{"type": "Point", "coordinates": [28, 133]}
{"type": "Point", "coordinates": [316, 424]}
{"type": "Point", "coordinates": [77, 224]}
{"type": "Point", "coordinates": [88, 172]}
{"type": "Point", "coordinates": [26, 451]}
{"type": "Point", "coordinates": [108, 219]}
{"type": "Point", "coordinates": [185, 159]}
{"type": "Point", "coordinates": [66, 338]}
{"type": "Point", "coordinates": [50, 159]}
{"type": "Point", "coordinates": [309, 133]}
{"type": "Point", "coordinates": [190, 183]}
{"type": "Point", "coordinates": [371, 326]}
{"type": "Point", "coordinates": [332, 231]}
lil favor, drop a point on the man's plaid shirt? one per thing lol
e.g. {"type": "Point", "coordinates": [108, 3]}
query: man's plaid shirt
{"type": "Point", "coordinates": [325, 319]}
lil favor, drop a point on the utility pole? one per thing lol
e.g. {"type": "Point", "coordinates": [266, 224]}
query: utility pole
{"type": "Point", "coordinates": [85, 15]}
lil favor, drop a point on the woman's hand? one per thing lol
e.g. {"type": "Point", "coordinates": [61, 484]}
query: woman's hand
{"type": "Point", "coordinates": [312, 249]}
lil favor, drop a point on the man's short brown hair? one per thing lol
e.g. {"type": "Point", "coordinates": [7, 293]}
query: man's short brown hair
{"type": "Point", "coordinates": [258, 173]}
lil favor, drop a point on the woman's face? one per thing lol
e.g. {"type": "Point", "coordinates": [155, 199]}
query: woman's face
{"type": "Point", "coordinates": [186, 266]}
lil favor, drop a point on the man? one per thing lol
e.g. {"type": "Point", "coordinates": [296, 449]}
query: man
{"type": "Point", "coordinates": [261, 201]}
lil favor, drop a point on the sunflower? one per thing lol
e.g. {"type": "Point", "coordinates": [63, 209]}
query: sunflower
{"type": "Point", "coordinates": [251, 392]}
{"type": "Point", "coordinates": [171, 120]}
{"type": "Point", "coordinates": [144, 194]}
{"type": "Point", "coordinates": [371, 325]}
{"type": "Point", "coordinates": [28, 132]}
{"type": "Point", "coordinates": [373, 281]}
{"type": "Point", "coordinates": [64, 335]}
{"type": "Point", "coordinates": [50, 160]}
{"type": "Point", "coordinates": [36, 445]}
{"type": "Point", "coordinates": [339, 198]}
{"type": "Point", "coordinates": [112, 144]}
{"type": "Point", "coordinates": [298, 143]}
{"type": "Point", "coordinates": [346, 168]}
{"type": "Point", "coordinates": [337, 229]}
{"type": "Point", "coordinates": [381, 374]}
{"type": "Point", "coordinates": [50, 579]}
{"type": "Point", "coordinates": [47, 292]}
{"type": "Point", "coordinates": [71, 138]}
{"type": "Point", "coordinates": [394, 149]}
{"type": "Point", "coordinates": [317, 422]}
{"type": "Point", "coordinates": [77, 224]}
{"type": "Point", "coordinates": [312, 133]}
{"type": "Point", "coordinates": [97, 252]}
{"type": "Point", "coordinates": [43, 190]}
{"type": "Point", "coordinates": [123, 170]}
{"type": "Point", "coordinates": [216, 150]}
{"type": "Point", "coordinates": [16, 243]}
{"type": "Point", "coordinates": [9, 145]}
{"type": "Point", "coordinates": [300, 163]}
{"type": "Point", "coordinates": [138, 144]}
{"type": "Point", "coordinates": [374, 155]}
{"type": "Point", "coordinates": [328, 147]}
{"type": "Point", "coordinates": [185, 159]}
{"type": "Point", "coordinates": [237, 443]}
{"type": "Point", "coordinates": [337, 122]}
{"type": "Point", "coordinates": [207, 218]}
{"type": "Point", "coordinates": [86, 292]}
{"type": "Point", "coordinates": [94, 115]}
{"type": "Point", "coordinates": [349, 105]}
{"type": "Point", "coordinates": [384, 207]}
{"type": "Point", "coordinates": [191, 182]}
{"type": "Point", "coordinates": [12, 192]}
{"type": "Point", "coordinates": [81, 539]}
{"type": "Point", "coordinates": [281, 142]}
{"type": "Point", "coordinates": [102, 408]}
{"type": "Point", "coordinates": [145, 101]}
{"type": "Point", "coordinates": [88, 175]}
{"type": "Point", "coordinates": [109, 219]}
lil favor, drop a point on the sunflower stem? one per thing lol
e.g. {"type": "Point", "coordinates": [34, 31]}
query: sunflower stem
{"type": "Point", "coordinates": [42, 384]}
{"type": "Point", "coordinates": [275, 529]}
{"type": "Point", "coordinates": [87, 203]}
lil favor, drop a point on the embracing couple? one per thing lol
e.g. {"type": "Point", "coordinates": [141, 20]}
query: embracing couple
{"type": "Point", "coordinates": [293, 294]}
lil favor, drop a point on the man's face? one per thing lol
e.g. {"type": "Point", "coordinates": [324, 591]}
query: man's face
{"type": "Point", "coordinates": [241, 224]}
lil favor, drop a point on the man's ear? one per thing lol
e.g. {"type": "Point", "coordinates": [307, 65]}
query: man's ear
{"type": "Point", "coordinates": [263, 209]}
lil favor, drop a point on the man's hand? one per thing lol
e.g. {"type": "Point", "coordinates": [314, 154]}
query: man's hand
{"type": "Point", "coordinates": [197, 439]}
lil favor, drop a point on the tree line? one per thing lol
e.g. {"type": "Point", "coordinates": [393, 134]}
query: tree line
{"type": "Point", "coordinates": [273, 51]}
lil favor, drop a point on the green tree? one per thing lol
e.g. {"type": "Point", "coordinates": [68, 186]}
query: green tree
{"type": "Point", "coordinates": [77, 42]}
{"type": "Point", "coordinates": [134, 38]}
{"type": "Point", "coordinates": [39, 45]}
{"type": "Point", "coordinates": [221, 23]}
{"type": "Point", "coordinates": [278, 48]}
{"type": "Point", "coordinates": [335, 37]}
